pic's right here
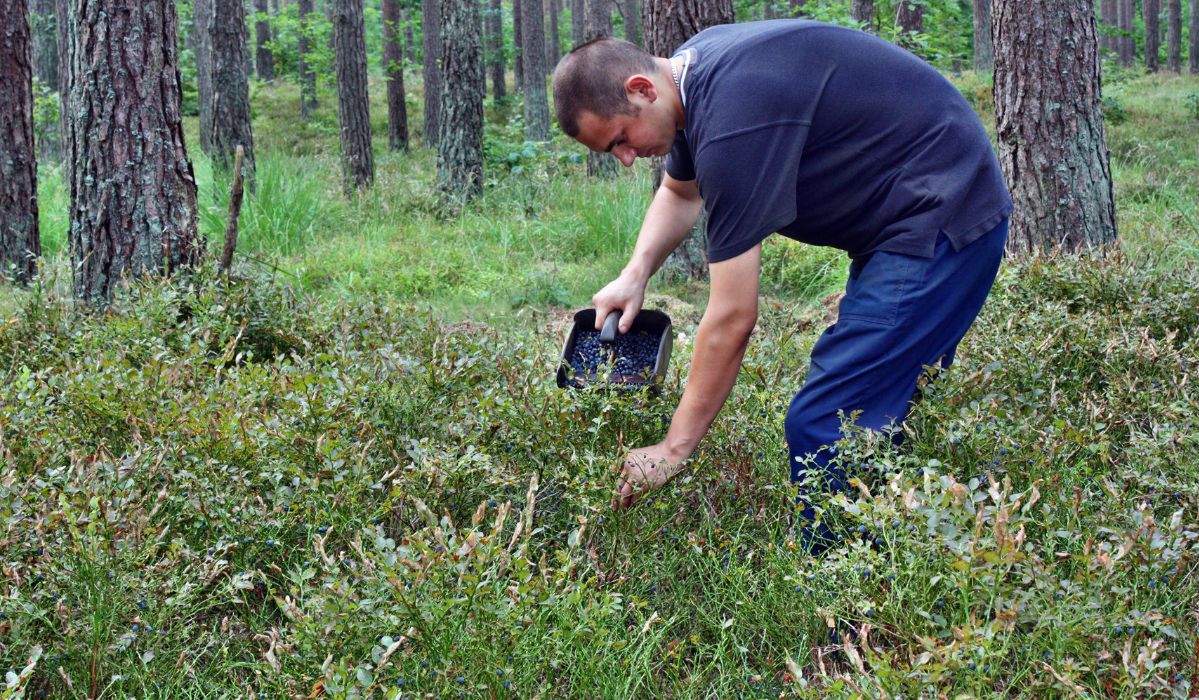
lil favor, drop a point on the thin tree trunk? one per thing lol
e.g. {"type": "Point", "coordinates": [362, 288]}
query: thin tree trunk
{"type": "Point", "coordinates": [133, 193]}
{"type": "Point", "coordinates": [307, 75]}
{"type": "Point", "coordinates": [432, 73]}
{"type": "Point", "coordinates": [1127, 12]}
{"type": "Point", "coordinates": [231, 88]}
{"type": "Point", "coordinates": [1151, 10]}
{"type": "Point", "coordinates": [1194, 48]}
{"type": "Point", "coordinates": [578, 21]}
{"type": "Point", "coordinates": [984, 52]}
{"type": "Point", "coordinates": [518, 66]}
{"type": "Point", "coordinates": [43, 26]}
{"type": "Point", "coordinates": [202, 51]}
{"type": "Point", "coordinates": [1107, 37]}
{"type": "Point", "coordinates": [393, 72]}
{"type": "Point", "coordinates": [409, 38]}
{"type": "Point", "coordinates": [262, 38]}
{"type": "Point", "coordinates": [599, 24]}
{"type": "Point", "coordinates": [863, 11]}
{"type": "Point", "coordinates": [495, 48]}
{"type": "Point", "coordinates": [537, 107]}
{"type": "Point", "coordinates": [460, 150]}
{"type": "Point", "coordinates": [553, 41]}
{"type": "Point", "coordinates": [353, 98]}
{"type": "Point", "coordinates": [1047, 53]}
{"type": "Point", "coordinates": [632, 21]}
{"type": "Point", "coordinates": [1174, 36]}
{"type": "Point", "coordinates": [20, 245]}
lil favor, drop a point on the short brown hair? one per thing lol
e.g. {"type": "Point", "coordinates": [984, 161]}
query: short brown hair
{"type": "Point", "coordinates": [591, 79]}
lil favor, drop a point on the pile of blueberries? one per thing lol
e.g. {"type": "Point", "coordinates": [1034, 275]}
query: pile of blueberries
{"type": "Point", "coordinates": [633, 353]}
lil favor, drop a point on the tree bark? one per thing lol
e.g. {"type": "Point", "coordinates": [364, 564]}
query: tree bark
{"type": "Point", "coordinates": [432, 73]}
{"type": "Point", "coordinates": [578, 21]}
{"type": "Point", "coordinates": [1127, 46]}
{"type": "Point", "coordinates": [353, 97]}
{"type": "Point", "coordinates": [409, 38]}
{"type": "Point", "coordinates": [863, 11]}
{"type": "Point", "coordinates": [1151, 9]}
{"type": "Point", "coordinates": [909, 20]}
{"type": "Point", "coordinates": [133, 194]}
{"type": "Point", "coordinates": [1174, 36]}
{"type": "Point", "coordinates": [537, 106]}
{"type": "Point", "coordinates": [20, 245]}
{"type": "Point", "coordinates": [495, 49]}
{"type": "Point", "coordinates": [1055, 161]}
{"type": "Point", "coordinates": [202, 51]}
{"type": "Point", "coordinates": [263, 57]}
{"type": "Point", "coordinates": [393, 72]}
{"type": "Point", "coordinates": [631, 9]}
{"type": "Point", "coordinates": [1194, 31]}
{"type": "Point", "coordinates": [666, 25]}
{"type": "Point", "coordinates": [984, 52]}
{"type": "Point", "coordinates": [307, 75]}
{"type": "Point", "coordinates": [460, 150]}
{"type": "Point", "coordinates": [553, 41]}
{"type": "Point", "coordinates": [599, 24]}
{"type": "Point", "coordinates": [231, 88]}
{"type": "Point", "coordinates": [518, 69]}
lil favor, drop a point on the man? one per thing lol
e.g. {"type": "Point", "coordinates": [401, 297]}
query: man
{"type": "Point", "coordinates": [824, 134]}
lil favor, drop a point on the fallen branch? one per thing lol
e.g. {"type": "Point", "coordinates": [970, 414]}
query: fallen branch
{"type": "Point", "coordinates": [234, 211]}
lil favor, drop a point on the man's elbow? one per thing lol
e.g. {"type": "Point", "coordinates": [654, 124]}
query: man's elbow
{"type": "Point", "coordinates": [733, 325]}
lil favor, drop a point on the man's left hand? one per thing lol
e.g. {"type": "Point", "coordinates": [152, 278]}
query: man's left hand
{"type": "Point", "coordinates": [643, 471]}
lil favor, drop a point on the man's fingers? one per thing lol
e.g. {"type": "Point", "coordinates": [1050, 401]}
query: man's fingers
{"type": "Point", "coordinates": [627, 317]}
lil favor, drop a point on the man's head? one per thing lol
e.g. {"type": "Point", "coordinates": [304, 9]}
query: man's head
{"type": "Point", "coordinates": [608, 95]}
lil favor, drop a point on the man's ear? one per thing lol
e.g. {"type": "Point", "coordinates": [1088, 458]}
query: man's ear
{"type": "Point", "coordinates": [639, 84]}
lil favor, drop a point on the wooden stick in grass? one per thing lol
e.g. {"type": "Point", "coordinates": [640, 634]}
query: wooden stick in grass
{"type": "Point", "coordinates": [234, 211]}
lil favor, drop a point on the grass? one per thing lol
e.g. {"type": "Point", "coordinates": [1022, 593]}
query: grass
{"type": "Point", "coordinates": [356, 476]}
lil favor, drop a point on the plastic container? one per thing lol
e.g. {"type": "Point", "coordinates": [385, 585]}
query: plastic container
{"type": "Point", "coordinates": [655, 323]}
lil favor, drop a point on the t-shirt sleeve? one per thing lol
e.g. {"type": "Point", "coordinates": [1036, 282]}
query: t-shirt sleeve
{"type": "Point", "coordinates": [748, 183]}
{"type": "Point", "coordinates": [678, 163]}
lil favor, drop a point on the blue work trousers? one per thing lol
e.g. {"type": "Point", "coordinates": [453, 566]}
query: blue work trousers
{"type": "Point", "coordinates": [900, 314]}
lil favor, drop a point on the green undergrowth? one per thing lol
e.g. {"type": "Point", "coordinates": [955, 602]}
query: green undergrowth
{"type": "Point", "coordinates": [227, 488]}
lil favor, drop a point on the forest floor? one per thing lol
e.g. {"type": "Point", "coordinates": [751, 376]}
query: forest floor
{"type": "Point", "coordinates": [347, 469]}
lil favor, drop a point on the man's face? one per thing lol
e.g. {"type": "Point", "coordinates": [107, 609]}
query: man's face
{"type": "Point", "coordinates": [650, 131]}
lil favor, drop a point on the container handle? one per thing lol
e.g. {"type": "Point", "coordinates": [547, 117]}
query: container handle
{"type": "Point", "coordinates": [608, 334]}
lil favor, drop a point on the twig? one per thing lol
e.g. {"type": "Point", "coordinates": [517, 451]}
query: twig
{"type": "Point", "coordinates": [234, 211]}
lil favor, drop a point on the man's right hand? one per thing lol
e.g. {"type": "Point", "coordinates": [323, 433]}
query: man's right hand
{"type": "Point", "coordinates": [626, 294]}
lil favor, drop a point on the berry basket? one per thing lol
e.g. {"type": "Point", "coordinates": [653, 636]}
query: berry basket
{"type": "Point", "coordinates": [635, 359]}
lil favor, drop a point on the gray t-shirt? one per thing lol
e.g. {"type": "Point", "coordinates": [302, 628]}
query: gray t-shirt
{"type": "Point", "coordinates": [833, 137]}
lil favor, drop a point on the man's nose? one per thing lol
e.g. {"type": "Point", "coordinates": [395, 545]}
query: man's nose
{"type": "Point", "coordinates": [625, 155]}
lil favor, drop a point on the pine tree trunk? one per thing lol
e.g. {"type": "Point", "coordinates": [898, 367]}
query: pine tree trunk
{"type": "Point", "coordinates": [231, 88]}
{"type": "Point", "coordinates": [307, 75]}
{"type": "Point", "coordinates": [863, 11]}
{"type": "Point", "coordinates": [353, 97]}
{"type": "Point", "coordinates": [262, 37]}
{"type": "Point", "coordinates": [43, 27]}
{"type": "Point", "coordinates": [518, 68]}
{"type": "Point", "coordinates": [1047, 53]}
{"type": "Point", "coordinates": [632, 21]}
{"type": "Point", "coordinates": [909, 20]}
{"type": "Point", "coordinates": [1174, 36]}
{"type": "Point", "coordinates": [984, 52]}
{"type": "Point", "coordinates": [495, 48]}
{"type": "Point", "coordinates": [1151, 9]}
{"type": "Point", "coordinates": [537, 106]}
{"type": "Point", "coordinates": [460, 151]}
{"type": "Point", "coordinates": [1107, 38]}
{"type": "Point", "coordinates": [20, 245]}
{"type": "Point", "coordinates": [393, 71]}
{"type": "Point", "coordinates": [133, 194]}
{"type": "Point", "coordinates": [666, 25]}
{"type": "Point", "coordinates": [553, 41]}
{"type": "Point", "coordinates": [1194, 31]}
{"type": "Point", "coordinates": [578, 21]}
{"type": "Point", "coordinates": [409, 38]}
{"type": "Point", "coordinates": [432, 73]}
{"type": "Point", "coordinates": [599, 24]}
{"type": "Point", "coordinates": [202, 51]}
{"type": "Point", "coordinates": [1127, 12]}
